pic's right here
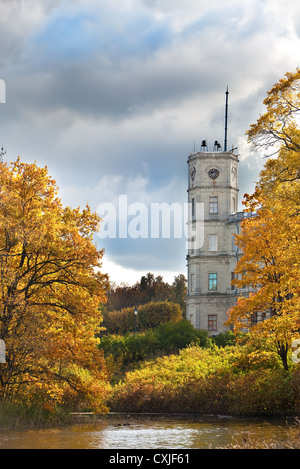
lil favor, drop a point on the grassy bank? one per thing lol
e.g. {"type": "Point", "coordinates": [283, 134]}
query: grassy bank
{"type": "Point", "coordinates": [19, 416]}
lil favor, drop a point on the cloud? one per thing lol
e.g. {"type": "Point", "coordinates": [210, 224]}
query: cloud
{"type": "Point", "coordinates": [120, 274]}
{"type": "Point", "coordinates": [113, 96]}
{"type": "Point", "coordinates": [131, 201]}
{"type": "Point", "coordinates": [108, 31]}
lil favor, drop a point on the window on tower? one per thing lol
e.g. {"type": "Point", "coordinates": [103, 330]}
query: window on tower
{"type": "Point", "coordinates": [193, 210]}
{"type": "Point", "coordinates": [192, 285]}
{"type": "Point", "coordinates": [192, 250]}
{"type": "Point", "coordinates": [213, 205]}
{"type": "Point", "coordinates": [233, 276]}
{"type": "Point", "coordinates": [213, 242]}
{"type": "Point", "coordinates": [233, 205]}
{"type": "Point", "coordinates": [212, 322]}
{"type": "Point", "coordinates": [212, 282]}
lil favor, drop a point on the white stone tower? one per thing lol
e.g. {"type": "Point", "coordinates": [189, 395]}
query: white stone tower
{"type": "Point", "coordinates": [212, 254]}
{"type": "Point", "coordinates": [211, 259]}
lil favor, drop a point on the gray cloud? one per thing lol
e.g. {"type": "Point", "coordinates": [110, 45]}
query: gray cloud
{"type": "Point", "coordinates": [109, 94]}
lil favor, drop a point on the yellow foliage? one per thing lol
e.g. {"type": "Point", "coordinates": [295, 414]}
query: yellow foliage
{"type": "Point", "coordinates": [270, 241]}
{"type": "Point", "coordinates": [50, 285]}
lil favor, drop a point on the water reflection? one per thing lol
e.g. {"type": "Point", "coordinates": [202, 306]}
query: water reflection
{"type": "Point", "coordinates": [133, 432]}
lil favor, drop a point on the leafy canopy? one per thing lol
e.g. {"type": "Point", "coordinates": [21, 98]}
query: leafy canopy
{"type": "Point", "coordinates": [270, 241]}
{"type": "Point", "coordinates": [50, 287]}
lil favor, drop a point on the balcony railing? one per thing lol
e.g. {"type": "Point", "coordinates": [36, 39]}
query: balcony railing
{"type": "Point", "coordinates": [233, 217]}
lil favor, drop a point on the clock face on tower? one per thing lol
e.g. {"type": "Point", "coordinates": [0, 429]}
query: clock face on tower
{"type": "Point", "coordinates": [213, 173]}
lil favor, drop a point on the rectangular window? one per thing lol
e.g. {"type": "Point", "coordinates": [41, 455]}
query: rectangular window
{"type": "Point", "coordinates": [212, 282]}
{"type": "Point", "coordinates": [232, 278]}
{"type": "Point", "coordinates": [193, 210]}
{"type": "Point", "coordinates": [213, 242]}
{"type": "Point", "coordinates": [212, 322]}
{"type": "Point", "coordinates": [192, 250]}
{"type": "Point", "coordinates": [213, 205]}
{"type": "Point", "coordinates": [253, 319]}
{"type": "Point", "coordinates": [233, 205]}
{"type": "Point", "coordinates": [192, 282]}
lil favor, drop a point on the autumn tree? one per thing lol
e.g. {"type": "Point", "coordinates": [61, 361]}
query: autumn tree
{"type": "Point", "coordinates": [180, 288]}
{"type": "Point", "coordinates": [270, 241]}
{"type": "Point", "coordinates": [50, 290]}
{"type": "Point", "coordinates": [278, 128]}
{"type": "Point", "coordinates": [149, 288]}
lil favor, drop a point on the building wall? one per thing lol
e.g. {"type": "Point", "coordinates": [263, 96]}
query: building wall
{"type": "Point", "coordinates": [211, 258]}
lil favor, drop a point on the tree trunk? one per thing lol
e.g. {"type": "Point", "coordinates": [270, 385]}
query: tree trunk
{"type": "Point", "coordinates": [282, 352]}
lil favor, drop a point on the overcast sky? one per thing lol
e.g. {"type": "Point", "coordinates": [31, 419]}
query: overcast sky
{"type": "Point", "coordinates": [114, 95]}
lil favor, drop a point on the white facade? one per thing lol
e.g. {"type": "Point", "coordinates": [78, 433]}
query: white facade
{"type": "Point", "coordinates": [212, 254]}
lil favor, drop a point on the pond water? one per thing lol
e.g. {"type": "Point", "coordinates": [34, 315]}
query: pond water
{"type": "Point", "coordinates": [150, 432]}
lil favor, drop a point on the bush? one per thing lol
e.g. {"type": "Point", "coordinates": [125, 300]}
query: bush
{"type": "Point", "coordinates": [128, 349]}
{"type": "Point", "coordinates": [165, 339]}
{"type": "Point", "coordinates": [153, 314]}
{"type": "Point", "coordinates": [264, 392]}
{"type": "Point", "coordinates": [173, 337]}
{"type": "Point", "coordinates": [224, 338]}
{"type": "Point", "coordinates": [119, 322]}
{"type": "Point", "coordinates": [165, 385]}
{"type": "Point", "coordinates": [149, 315]}
{"type": "Point", "coordinates": [201, 381]}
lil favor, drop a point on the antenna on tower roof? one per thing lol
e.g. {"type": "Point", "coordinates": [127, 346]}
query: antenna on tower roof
{"type": "Point", "coordinates": [226, 119]}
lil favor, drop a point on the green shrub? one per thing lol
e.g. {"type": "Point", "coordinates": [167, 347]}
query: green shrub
{"type": "Point", "coordinates": [129, 348]}
{"type": "Point", "coordinates": [224, 338]}
{"type": "Point", "coordinates": [163, 340]}
{"type": "Point", "coordinates": [173, 337]}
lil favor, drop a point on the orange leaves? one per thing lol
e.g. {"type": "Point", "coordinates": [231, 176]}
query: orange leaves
{"type": "Point", "coordinates": [270, 242]}
{"type": "Point", "coordinates": [50, 283]}
{"type": "Point", "coordinates": [270, 264]}
{"type": "Point", "coordinates": [277, 126]}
